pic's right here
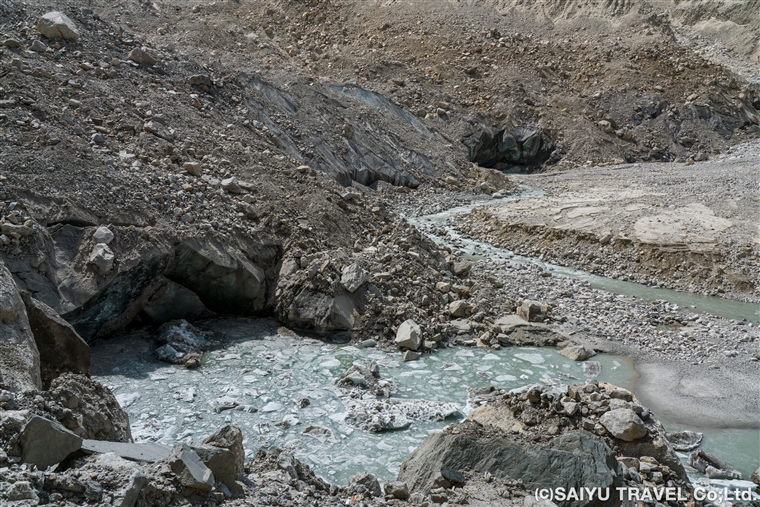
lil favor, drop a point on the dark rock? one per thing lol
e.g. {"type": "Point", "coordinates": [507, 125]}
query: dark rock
{"type": "Point", "coordinates": [224, 283]}
{"type": "Point", "coordinates": [713, 467]}
{"type": "Point", "coordinates": [46, 443]}
{"type": "Point", "coordinates": [684, 440]}
{"type": "Point", "coordinates": [573, 460]}
{"type": "Point", "coordinates": [396, 489]}
{"type": "Point", "coordinates": [367, 480]}
{"type": "Point", "coordinates": [61, 348]}
{"type": "Point", "coordinates": [172, 302]}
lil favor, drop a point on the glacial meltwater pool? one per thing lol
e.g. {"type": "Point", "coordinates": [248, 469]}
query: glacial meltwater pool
{"type": "Point", "coordinates": [266, 374]}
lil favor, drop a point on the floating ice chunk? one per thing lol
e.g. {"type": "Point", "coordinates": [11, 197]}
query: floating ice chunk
{"type": "Point", "coordinates": [464, 353]}
{"type": "Point", "coordinates": [330, 363]}
{"type": "Point", "coordinates": [272, 406]}
{"type": "Point", "coordinates": [127, 399]}
{"type": "Point", "coordinates": [531, 358]}
{"type": "Point", "coordinates": [505, 378]}
{"type": "Point", "coordinates": [491, 357]}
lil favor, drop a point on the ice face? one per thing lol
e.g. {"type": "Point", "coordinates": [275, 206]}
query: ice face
{"type": "Point", "coordinates": [259, 384]}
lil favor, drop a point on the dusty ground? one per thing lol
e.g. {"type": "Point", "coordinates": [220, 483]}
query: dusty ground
{"type": "Point", "coordinates": [693, 228]}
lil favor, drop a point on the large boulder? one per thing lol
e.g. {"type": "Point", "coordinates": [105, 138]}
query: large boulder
{"type": "Point", "coordinates": [46, 443]}
{"type": "Point", "coordinates": [517, 331]}
{"type": "Point", "coordinates": [190, 470]}
{"type": "Point", "coordinates": [222, 452]}
{"type": "Point", "coordinates": [573, 460]}
{"type": "Point", "coordinates": [408, 335]}
{"type": "Point", "coordinates": [19, 357]}
{"type": "Point", "coordinates": [60, 346]}
{"type": "Point", "coordinates": [56, 25]}
{"type": "Point", "coordinates": [623, 423]}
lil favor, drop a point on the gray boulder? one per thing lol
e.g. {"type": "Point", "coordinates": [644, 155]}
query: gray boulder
{"type": "Point", "coordinates": [22, 490]}
{"type": "Point", "coordinates": [533, 311]}
{"type": "Point", "coordinates": [577, 352]}
{"type": "Point", "coordinates": [353, 277]}
{"type": "Point", "coordinates": [46, 443]}
{"type": "Point", "coordinates": [517, 331]}
{"type": "Point", "coordinates": [409, 335]}
{"type": "Point", "coordinates": [755, 477]}
{"type": "Point", "coordinates": [573, 460]}
{"type": "Point", "coordinates": [60, 346]}
{"type": "Point", "coordinates": [713, 467]}
{"type": "Point", "coordinates": [222, 452]}
{"type": "Point", "coordinates": [396, 489]}
{"type": "Point", "coordinates": [367, 480]}
{"type": "Point", "coordinates": [684, 440]}
{"type": "Point", "coordinates": [19, 357]}
{"type": "Point", "coordinates": [56, 25]}
{"type": "Point", "coordinates": [190, 470]}
{"type": "Point", "coordinates": [141, 56]}
{"type": "Point", "coordinates": [623, 423]}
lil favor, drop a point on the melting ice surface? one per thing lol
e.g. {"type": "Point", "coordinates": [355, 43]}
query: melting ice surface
{"type": "Point", "coordinates": [267, 373]}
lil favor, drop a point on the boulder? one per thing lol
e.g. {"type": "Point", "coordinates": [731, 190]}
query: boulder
{"type": "Point", "coordinates": [410, 355]}
{"type": "Point", "coordinates": [190, 470]}
{"type": "Point", "coordinates": [46, 443]}
{"type": "Point", "coordinates": [321, 312]}
{"type": "Point", "coordinates": [353, 277]}
{"type": "Point", "coordinates": [231, 439]}
{"type": "Point", "coordinates": [102, 257]}
{"type": "Point", "coordinates": [573, 460]}
{"type": "Point", "coordinates": [103, 235]}
{"type": "Point", "coordinates": [517, 331]}
{"type": "Point", "coordinates": [577, 352]}
{"type": "Point", "coordinates": [533, 311]}
{"type": "Point", "coordinates": [684, 440]}
{"type": "Point", "coordinates": [409, 335]}
{"type": "Point", "coordinates": [60, 346]}
{"type": "Point", "coordinates": [56, 25]}
{"type": "Point", "coordinates": [22, 490]}
{"type": "Point", "coordinates": [461, 268]}
{"type": "Point", "coordinates": [713, 467]}
{"type": "Point", "coordinates": [148, 452]}
{"type": "Point", "coordinates": [132, 478]}
{"type": "Point", "coordinates": [396, 489]}
{"type": "Point", "coordinates": [92, 410]}
{"type": "Point", "coordinates": [19, 357]}
{"type": "Point", "coordinates": [141, 56]}
{"type": "Point", "coordinates": [232, 185]}
{"type": "Point", "coordinates": [459, 308]}
{"type": "Point", "coordinates": [623, 423]}
{"type": "Point", "coordinates": [368, 481]}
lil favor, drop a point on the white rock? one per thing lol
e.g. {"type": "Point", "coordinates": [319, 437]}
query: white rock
{"type": "Point", "coordinates": [232, 185]}
{"type": "Point", "coordinates": [140, 56]}
{"type": "Point", "coordinates": [409, 335]}
{"type": "Point", "coordinates": [102, 257]}
{"type": "Point", "coordinates": [103, 235]}
{"type": "Point", "coordinates": [56, 25]}
{"type": "Point", "coordinates": [353, 277]}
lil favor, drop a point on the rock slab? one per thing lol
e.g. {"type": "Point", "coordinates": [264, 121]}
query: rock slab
{"type": "Point", "coordinates": [46, 443]}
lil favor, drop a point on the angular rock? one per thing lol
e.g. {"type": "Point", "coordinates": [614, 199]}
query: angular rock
{"type": "Point", "coordinates": [103, 258]}
{"type": "Point", "coordinates": [61, 348]}
{"type": "Point", "coordinates": [46, 443]}
{"type": "Point", "coordinates": [21, 490]}
{"type": "Point", "coordinates": [516, 331]}
{"type": "Point", "coordinates": [139, 55]}
{"type": "Point", "coordinates": [461, 268]}
{"type": "Point", "coordinates": [19, 357]}
{"type": "Point", "coordinates": [38, 47]}
{"type": "Point", "coordinates": [623, 423]}
{"type": "Point", "coordinates": [367, 480]}
{"type": "Point", "coordinates": [158, 130]}
{"type": "Point", "coordinates": [684, 440]}
{"type": "Point", "coordinates": [459, 308]}
{"type": "Point", "coordinates": [56, 25]}
{"type": "Point", "coordinates": [132, 478]}
{"type": "Point", "coordinates": [353, 277]}
{"type": "Point", "coordinates": [190, 470]}
{"type": "Point", "coordinates": [230, 438]}
{"type": "Point", "coordinates": [396, 489]}
{"type": "Point", "coordinates": [573, 460]}
{"type": "Point", "coordinates": [533, 311]}
{"type": "Point", "coordinates": [755, 477]}
{"type": "Point", "coordinates": [232, 185]}
{"type": "Point", "coordinates": [193, 168]}
{"type": "Point", "coordinates": [577, 352]}
{"type": "Point", "coordinates": [410, 355]}
{"type": "Point", "coordinates": [409, 335]}
{"type": "Point", "coordinates": [713, 467]}
{"type": "Point", "coordinates": [103, 235]}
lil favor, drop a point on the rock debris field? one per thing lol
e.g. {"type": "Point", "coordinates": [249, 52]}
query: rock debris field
{"type": "Point", "coordinates": [342, 252]}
